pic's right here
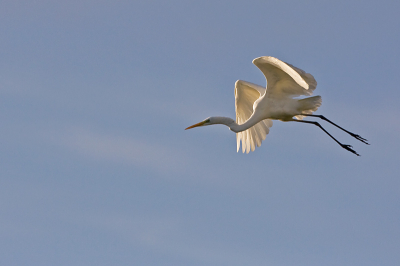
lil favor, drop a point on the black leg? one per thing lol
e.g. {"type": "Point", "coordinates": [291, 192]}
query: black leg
{"type": "Point", "coordinates": [348, 132]}
{"type": "Point", "coordinates": [344, 146]}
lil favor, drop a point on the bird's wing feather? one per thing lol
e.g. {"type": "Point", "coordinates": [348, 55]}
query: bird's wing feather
{"type": "Point", "coordinates": [283, 79]}
{"type": "Point", "coordinates": [246, 94]}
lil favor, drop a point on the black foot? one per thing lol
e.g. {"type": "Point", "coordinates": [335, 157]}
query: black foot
{"type": "Point", "coordinates": [349, 148]}
{"type": "Point", "coordinates": [359, 138]}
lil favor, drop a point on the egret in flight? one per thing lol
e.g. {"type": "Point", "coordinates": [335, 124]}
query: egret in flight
{"type": "Point", "coordinates": [257, 106]}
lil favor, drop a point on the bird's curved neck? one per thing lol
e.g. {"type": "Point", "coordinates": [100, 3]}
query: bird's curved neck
{"type": "Point", "coordinates": [235, 127]}
{"type": "Point", "coordinates": [246, 125]}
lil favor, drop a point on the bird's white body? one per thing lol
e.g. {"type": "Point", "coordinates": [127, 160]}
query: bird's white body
{"type": "Point", "coordinates": [277, 109]}
{"type": "Point", "coordinates": [256, 106]}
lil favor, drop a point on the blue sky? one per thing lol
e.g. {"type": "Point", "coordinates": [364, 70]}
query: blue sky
{"type": "Point", "coordinates": [97, 169]}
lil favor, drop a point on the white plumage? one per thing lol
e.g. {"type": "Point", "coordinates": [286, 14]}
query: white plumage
{"type": "Point", "coordinates": [257, 106]}
{"type": "Point", "coordinates": [284, 82]}
{"type": "Point", "coordinates": [246, 94]}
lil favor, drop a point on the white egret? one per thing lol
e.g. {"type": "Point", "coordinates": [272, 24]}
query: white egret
{"type": "Point", "coordinates": [257, 106]}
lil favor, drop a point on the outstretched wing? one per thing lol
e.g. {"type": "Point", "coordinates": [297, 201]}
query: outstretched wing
{"type": "Point", "coordinates": [283, 79]}
{"type": "Point", "coordinates": [246, 94]}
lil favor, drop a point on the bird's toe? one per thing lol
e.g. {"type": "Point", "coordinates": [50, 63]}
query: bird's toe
{"type": "Point", "coordinates": [349, 148]}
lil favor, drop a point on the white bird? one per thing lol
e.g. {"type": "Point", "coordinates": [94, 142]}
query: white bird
{"type": "Point", "coordinates": [257, 106]}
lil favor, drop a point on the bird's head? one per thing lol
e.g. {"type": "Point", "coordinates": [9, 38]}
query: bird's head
{"type": "Point", "coordinates": [212, 121]}
{"type": "Point", "coordinates": [205, 122]}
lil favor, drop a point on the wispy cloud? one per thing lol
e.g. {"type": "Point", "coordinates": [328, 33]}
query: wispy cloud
{"type": "Point", "coordinates": [119, 149]}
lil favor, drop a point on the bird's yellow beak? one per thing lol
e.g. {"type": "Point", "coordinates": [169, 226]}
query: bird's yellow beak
{"type": "Point", "coordinates": [196, 125]}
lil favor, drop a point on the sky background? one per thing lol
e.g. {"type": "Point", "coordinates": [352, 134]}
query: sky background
{"type": "Point", "coordinates": [97, 169]}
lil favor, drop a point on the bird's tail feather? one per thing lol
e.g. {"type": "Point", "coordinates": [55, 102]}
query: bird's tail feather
{"type": "Point", "coordinates": [309, 105]}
